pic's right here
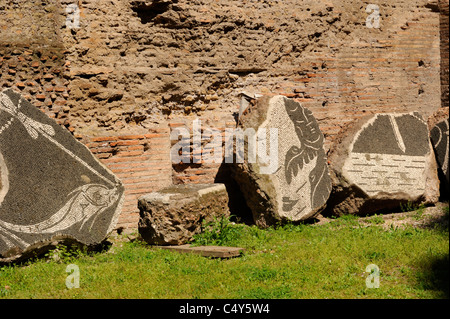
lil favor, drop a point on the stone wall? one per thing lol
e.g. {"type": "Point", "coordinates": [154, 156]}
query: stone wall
{"type": "Point", "coordinates": [32, 56]}
{"type": "Point", "coordinates": [134, 70]}
{"type": "Point", "coordinates": [444, 27]}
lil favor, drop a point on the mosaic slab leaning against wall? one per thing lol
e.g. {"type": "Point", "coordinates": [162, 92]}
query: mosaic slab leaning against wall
{"type": "Point", "coordinates": [51, 187]}
{"type": "Point", "coordinates": [382, 161]}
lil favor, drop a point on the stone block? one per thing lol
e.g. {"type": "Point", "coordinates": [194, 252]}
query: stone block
{"type": "Point", "coordinates": [174, 214]}
{"type": "Point", "coordinates": [207, 251]}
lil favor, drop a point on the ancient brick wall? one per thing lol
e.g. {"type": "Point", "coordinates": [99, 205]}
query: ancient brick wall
{"type": "Point", "coordinates": [132, 71]}
{"type": "Point", "coordinates": [32, 57]}
{"type": "Point", "coordinates": [444, 27]}
{"type": "Point", "coordinates": [140, 161]}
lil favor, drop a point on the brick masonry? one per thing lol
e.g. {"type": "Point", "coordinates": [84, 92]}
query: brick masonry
{"type": "Point", "coordinates": [36, 74]}
{"type": "Point", "coordinates": [134, 70]}
{"type": "Point", "coordinates": [444, 29]}
{"type": "Point", "coordinates": [141, 161]}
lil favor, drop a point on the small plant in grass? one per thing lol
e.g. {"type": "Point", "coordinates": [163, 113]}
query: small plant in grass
{"type": "Point", "coordinates": [346, 220]}
{"type": "Point", "coordinates": [65, 253]}
{"type": "Point", "coordinates": [407, 207]}
{"type": "Point", "coordinates": [221, 231]}
{"type": "Point", "coordinates": [411, 206]}
{"type": "Point", "coordinates": [4, 291]}
{"type": "Point", "coordinates": [376, 219]}
{"type": "Point", "coordinates": [445, 210]}
{"type": "Point", "coordinates": [419, 212]}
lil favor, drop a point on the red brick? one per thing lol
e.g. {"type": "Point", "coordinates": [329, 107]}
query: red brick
{"type": "Point", "coordinates": [156, 135]}
{"type": "Point", "coordinates": [164, 130]}
{"type": "Point", "coordinates": [60, 102]}
{"type": "Point", "coordinates": [91, 145]}
{"type": "Point", "coordinates": [133, 148]}
{"type": "Point", "coordinates": [127, 160]}
{"type": "Point", "coordinates": [136, 191]}
{"type": "Point", "coordinates": [104, 138]}
{"type": "Point", "coordinates": [131, 137]}
{"type": "Point", "coordinates": [143, 187]}
{"type": "Point", "coordinates": [149, 179]}
{"type": "Point", "coordinates": [102, 150]}
{"type": "Point", "coordinates": [130, 153]}
{"type": "Point", "coordinates": [128, 142]}
{"type": "Point", "coordinates": [144, 173]}
{"type": "Point", "coordinates": [302, 80]}
{"type": "Point", "coordinates": [178, 124]}
{"type": "Point", "coordinates": [103, 155]}
{"type": "Point", "coordinates": [123, 168]}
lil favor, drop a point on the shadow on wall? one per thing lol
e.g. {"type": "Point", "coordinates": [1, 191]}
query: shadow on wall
{"type": "Point", "coordinates": [148, 12]}
{"type": "Point", "coordinates": [443, 187]}
{"type": "Point", "coordinates": [237, 204]}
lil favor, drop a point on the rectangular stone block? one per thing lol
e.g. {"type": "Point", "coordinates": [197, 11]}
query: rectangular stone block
{"type": "Point", "coordinates": [207, 251]}
{"type": "Point", "coordinates": [174, 214]}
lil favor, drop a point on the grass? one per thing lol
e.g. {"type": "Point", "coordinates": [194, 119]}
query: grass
{"type": "Point", "coordinates": [376, 219]}
{"type": "Point", "coordinates": [417, 208]}
{"type": "Point", "coordinates": [290, 261]}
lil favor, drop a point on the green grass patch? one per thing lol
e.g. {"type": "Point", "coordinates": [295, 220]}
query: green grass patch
{"type": "Point", "coordinates": [289, 261]}
{"type": "Point", "coordinates": [376, 219]}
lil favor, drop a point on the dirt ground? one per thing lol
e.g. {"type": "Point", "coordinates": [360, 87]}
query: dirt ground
{"type": "Point", "coordinates": [425, 217]}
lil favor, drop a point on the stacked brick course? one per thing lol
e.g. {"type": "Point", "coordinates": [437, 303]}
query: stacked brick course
{"type": "Point", "coordinates": [140, 161]}
{"type": "Point", "coordinates": [444, 29]}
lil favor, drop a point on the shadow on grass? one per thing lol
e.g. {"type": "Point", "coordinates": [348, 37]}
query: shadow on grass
{"type": "Point", "coordinates": [65, 249]}
{"type": "Point", "coordinates": [440, 222]}
{"type": "Point", "coordinates": [434, 270]}
{"type": "Point", "coordinates": [434, 275]}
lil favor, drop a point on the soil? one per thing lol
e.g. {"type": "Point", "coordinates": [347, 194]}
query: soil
{"type": "Point", "coordinates": [426, 217]}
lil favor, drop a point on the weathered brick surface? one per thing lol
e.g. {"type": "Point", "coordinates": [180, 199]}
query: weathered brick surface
{"type": "Point", "coordinates": [32, 54]}
{"type": "Point", "coordinates": [35, 72]}
{"type": "Point", "coordinates": [444, 29]}
{"type": "Point", "coordinates": [135, 70]}
{"type": "Point", "coordinates": [141, 161]}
